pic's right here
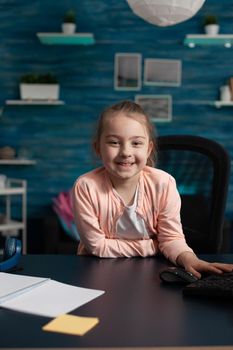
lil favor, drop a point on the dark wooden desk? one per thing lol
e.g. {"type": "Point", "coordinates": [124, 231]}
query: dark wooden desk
{"type": "Point", "coordinates": [135, 311]}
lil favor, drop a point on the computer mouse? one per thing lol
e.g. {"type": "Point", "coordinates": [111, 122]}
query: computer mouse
{"type": "Point", "coordinates": [177, 275]}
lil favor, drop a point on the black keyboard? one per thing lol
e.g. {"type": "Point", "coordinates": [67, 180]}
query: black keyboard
{"type": "Point", "coordinates": [212, 286]}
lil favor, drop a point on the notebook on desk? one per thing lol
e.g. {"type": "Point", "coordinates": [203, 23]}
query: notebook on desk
{"type": "Point", "coordinates": [42, 296]}
{"type": "Point", "coordinates": [220, 286]}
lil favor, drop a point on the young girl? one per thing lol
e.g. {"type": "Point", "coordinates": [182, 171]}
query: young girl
{"type": "Point", "coordinates": [127, 207]}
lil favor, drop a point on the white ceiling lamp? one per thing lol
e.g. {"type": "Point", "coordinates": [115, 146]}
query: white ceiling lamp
{"type": "Point", "coordinates": [165, 12]}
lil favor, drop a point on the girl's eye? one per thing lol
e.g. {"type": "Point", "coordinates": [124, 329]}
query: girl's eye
{"type": "Point", "coordinates": [137, 143]}
{"type": "Point", "coordinates": [113, 142]}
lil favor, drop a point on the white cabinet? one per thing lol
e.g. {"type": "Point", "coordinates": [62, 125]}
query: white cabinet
{"type": "Point", "coordinates": [14, 197]}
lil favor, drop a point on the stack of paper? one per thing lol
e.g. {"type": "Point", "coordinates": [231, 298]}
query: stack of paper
{"type": "Point", "coordinates": [42, 296]}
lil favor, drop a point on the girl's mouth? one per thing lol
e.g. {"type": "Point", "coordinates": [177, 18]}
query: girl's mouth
{"type": "Point", "coordinates": [125, 164]}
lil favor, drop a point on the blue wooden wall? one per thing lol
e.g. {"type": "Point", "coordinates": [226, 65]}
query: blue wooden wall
{"type": "Point", "coordinates": [59, 138]}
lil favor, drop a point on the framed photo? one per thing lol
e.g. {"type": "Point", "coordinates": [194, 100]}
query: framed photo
{"type": "Point", "coordinates": [158, 107]}
{"type": "Point", "coordinates": [127, 71]}
{"type": "Point", "coordinates": [162, 72]}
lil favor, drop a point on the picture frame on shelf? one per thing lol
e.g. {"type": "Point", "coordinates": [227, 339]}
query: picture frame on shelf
{"type": "Point", "coordinates": [157, 107]}
{"type": "Point", "coordinates": [162, 72]}
{"type": "Point", "coordinates": [127, 71]}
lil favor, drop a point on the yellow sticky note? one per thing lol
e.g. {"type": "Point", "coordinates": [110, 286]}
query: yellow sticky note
{"type": "Point", "coordinates": [70, 324]}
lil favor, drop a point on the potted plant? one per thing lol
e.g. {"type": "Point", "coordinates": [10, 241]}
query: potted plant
{"type": "Point", "coordinates": [69, 22]}
{"type": "Point", "coordinates": [211, 25]}
{"type": "Point", "coordinates": [39, 87]}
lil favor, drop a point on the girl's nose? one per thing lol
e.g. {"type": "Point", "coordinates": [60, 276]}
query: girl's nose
{"type": "Point", "coordinates": [125, 151]}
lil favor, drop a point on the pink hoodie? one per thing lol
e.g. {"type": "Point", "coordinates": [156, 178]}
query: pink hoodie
{"type": "Point", "coordinates": [97, 209]}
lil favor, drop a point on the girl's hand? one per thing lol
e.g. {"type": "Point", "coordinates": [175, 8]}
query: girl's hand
{"type": "Point", "coordinates": [192, 264]}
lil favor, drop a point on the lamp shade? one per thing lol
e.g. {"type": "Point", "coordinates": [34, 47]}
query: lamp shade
{"type": "Point", "coordinates": [165, 12]}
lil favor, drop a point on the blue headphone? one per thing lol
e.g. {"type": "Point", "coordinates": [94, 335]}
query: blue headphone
{"type": "Point", "coordinates": [11, 254]}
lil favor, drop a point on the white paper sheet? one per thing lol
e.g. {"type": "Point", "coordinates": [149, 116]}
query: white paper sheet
{"type": "Point", "coordinates": [52, 299]}
{"type": "Point", "coordinates": [11, 285]}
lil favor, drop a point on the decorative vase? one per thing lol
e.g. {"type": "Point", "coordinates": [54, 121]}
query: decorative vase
{"type": "Point", "coordinates": [212, 29]}
{"type": "Point", "coordinates": [68, 28]}
{"type": "Point", "coordinates": [39, 91]}
{"type": "Point", "coordinates": [225, 93]}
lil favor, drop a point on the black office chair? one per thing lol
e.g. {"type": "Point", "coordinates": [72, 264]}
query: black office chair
{"type": "Point", "coordinates": [201, 168]}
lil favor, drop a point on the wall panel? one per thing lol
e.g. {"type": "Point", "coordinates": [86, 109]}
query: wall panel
{"type": "Point", "coordinates": [59, 137]}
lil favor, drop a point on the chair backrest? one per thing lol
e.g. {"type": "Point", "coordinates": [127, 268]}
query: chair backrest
{"type": "Point", "coordinates": [201, 168]}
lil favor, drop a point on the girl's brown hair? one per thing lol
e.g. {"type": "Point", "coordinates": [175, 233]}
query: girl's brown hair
{"type": "Point", "coordinates": [131, 110]}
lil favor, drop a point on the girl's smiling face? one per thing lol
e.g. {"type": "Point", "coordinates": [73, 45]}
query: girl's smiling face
{"type": "Point", "coordinates": [124, 147]}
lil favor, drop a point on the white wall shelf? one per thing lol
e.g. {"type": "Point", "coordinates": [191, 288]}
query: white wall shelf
{"type": "Point", "coordinates": [8, 225]}
{"type": "Point", "coordinates": [16, 161]}
{"type": "Point", "coordinates": [220, 104]}
{"type": "Point", "coordinates": [34, 102]}
{"type": "Point", "coordinates": [65, 39]}
{"type": "Point", "coordinates": [224, 40]}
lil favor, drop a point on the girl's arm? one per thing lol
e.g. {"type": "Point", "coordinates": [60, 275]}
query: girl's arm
{"type": "Point", "coordinates": [95, 240]}
{"type": "Point", "coordinates": [170, 233]}
{"type": "Point", "coordinates": [172, 241]}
